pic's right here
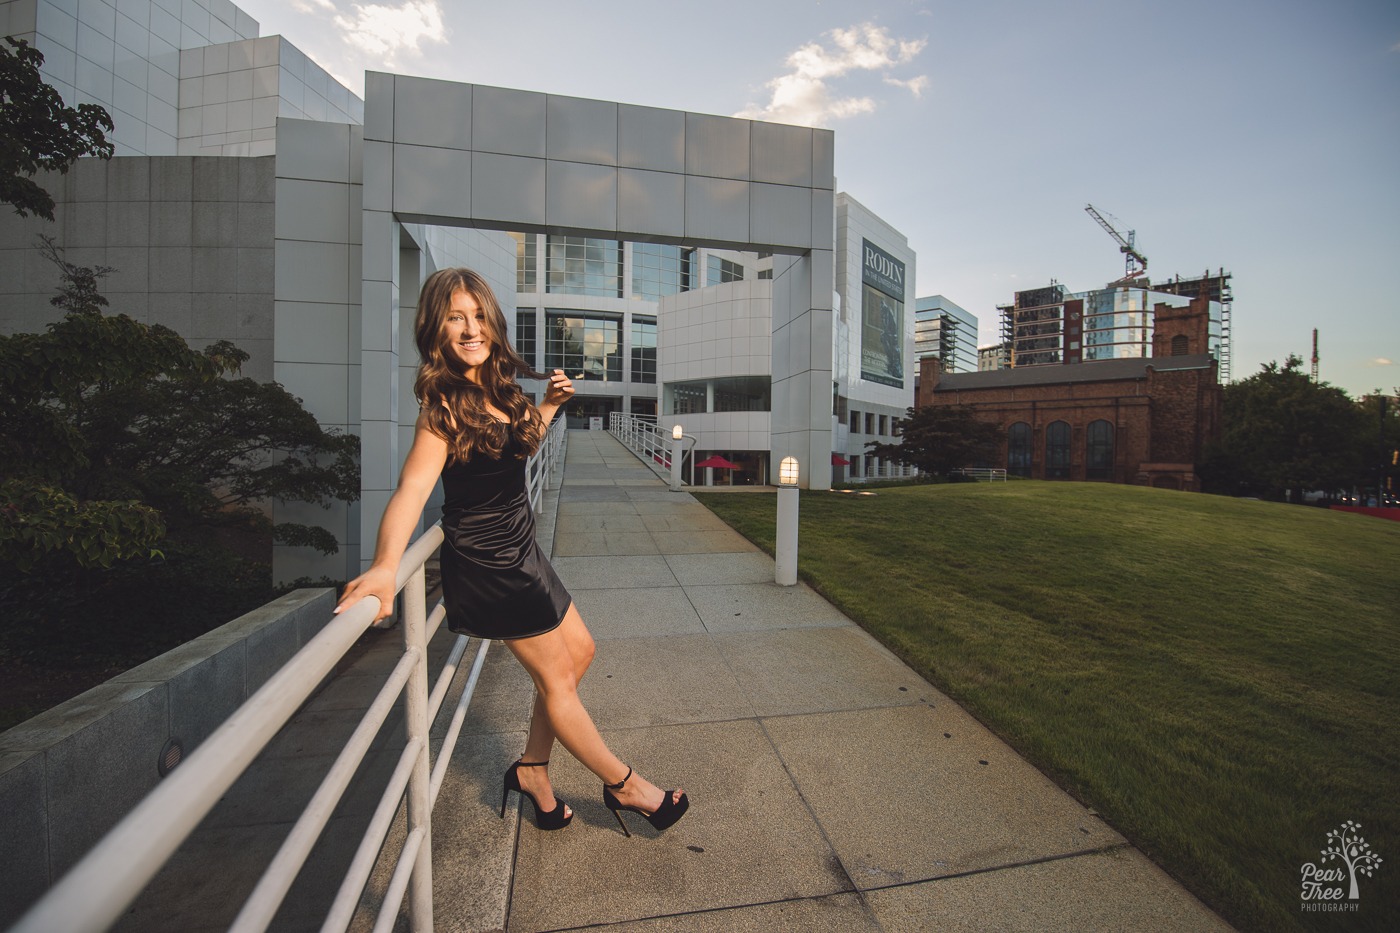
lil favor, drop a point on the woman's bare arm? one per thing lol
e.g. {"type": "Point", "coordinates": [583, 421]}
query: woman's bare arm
{"type": "Point", "coordinates": [420, 473]}
{"type": "Point", "coordinates": [556, 394]}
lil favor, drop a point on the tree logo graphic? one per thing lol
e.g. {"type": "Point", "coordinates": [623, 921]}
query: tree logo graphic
{"type": "Point", "coordinates": [1324, 885]}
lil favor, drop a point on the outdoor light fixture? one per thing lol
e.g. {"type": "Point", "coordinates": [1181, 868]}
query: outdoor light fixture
{"type": "Point", "coordinates": [785, 564]}
{"type": "Point", "coordinates": [677, 454]}
{"type": "Point", "coordinates": [787, 472]}
{"type": "Point", "coordinates": [170, 756]}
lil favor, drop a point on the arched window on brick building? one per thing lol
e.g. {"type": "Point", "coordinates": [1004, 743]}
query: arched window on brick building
{"type": "Point", "coordinates": [1057, 450]}
{"type": "Point", "coordinates": [1181, 345]}
{"type": "Point", "coordinates": [1018, 449]}
{"type": "Point", "coordinates": [1098, 450]}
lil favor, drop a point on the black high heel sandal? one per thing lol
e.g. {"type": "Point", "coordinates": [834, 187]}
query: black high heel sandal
{"type": "Point", "coordinates": [664, 817]}
{"type": "Point", "coordinates": [551, 819]}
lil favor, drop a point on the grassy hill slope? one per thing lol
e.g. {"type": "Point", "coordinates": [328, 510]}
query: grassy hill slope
{"type": "Point", "coordinates": [1218, 677]}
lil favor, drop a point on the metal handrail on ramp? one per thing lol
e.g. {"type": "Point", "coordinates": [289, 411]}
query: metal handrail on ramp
{"type": "Point", "coordinates": [96, 891]}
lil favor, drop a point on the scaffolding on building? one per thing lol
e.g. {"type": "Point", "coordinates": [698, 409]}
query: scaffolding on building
{"type": "Point", "coordinates": [1216, 287]}
{"type": "Point", "coordinates": [1034, 326]}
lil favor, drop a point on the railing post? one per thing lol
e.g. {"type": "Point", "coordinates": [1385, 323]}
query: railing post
{"type": "Point", "coordinates": [420, 802]}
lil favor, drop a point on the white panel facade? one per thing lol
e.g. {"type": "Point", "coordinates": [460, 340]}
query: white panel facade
{"type": "Point", "coordinates": [125, 56]}
{"type": "Point", "coordinates": [189, 241]}
{"type": "Point", "coordinates": [875, 403]}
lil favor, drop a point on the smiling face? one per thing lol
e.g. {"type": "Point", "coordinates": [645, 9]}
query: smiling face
{"type": "Point", "coordinates": [466, 334]}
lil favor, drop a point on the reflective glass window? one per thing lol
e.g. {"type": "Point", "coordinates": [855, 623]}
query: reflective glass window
{"type": "Point", "coordinates": [585, 346]}
{"type": "Point", "coordinates": [731, 393]}
{"type": "Point", "coordinates": [686, 398]}
{"type": "Point", "coordinates": [525, 343]}
{"type": "Point", "coordinates": [644, 349]}
{"type": "Point", "coordinates": [719, 270]}
{"type": "Point", "coordinates": [1057, 450]}
{"type": "Point", "coordinates": [1098, 450]}
{"type": "Point", "coordinates": [583, 266]}
{"type": "Point", "coordinates": [659, 270]}
{"type": "Point", "coordinates": [525, 254]}
{"type": "Point", "coordinates": [743, 393]}
{"type": "Point", "coordinates": [1018, 449]}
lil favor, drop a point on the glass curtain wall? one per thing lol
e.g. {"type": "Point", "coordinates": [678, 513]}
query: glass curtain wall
{"type": "Point", "coordinates": [643, 349]}
{"type": "Point", "coordinates": [526, 253]}
{"type": "Point", "coordinates": [719, 270]}
{"type": "Point", "coordinates": [585, 346]}
{"type": "Point", "coordinates": [583, 266]}
{"type": "Point", "coordinates": [659, 270]}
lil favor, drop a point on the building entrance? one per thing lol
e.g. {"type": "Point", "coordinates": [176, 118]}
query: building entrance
{"type": "Point", "coordinates": [583, 407]}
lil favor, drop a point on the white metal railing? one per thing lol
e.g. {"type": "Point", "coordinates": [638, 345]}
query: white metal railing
{"type": "Point", "coordinates": [887, 471]}
{"type": "Point", "coordinates": [643, 438]}
{"type": "Point", "coordinates": [95, 892]}
{"type": "Point", "coordinates": [992, 474]}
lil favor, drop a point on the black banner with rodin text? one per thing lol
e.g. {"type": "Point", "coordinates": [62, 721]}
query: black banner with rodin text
{"type": "Point", "coordinates": [882, 317]}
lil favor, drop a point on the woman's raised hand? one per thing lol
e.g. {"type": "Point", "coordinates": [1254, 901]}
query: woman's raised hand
{"type": "Point", "coordinates": [376, 581]}
{"type": "Point", "coordinates": [561, 388]}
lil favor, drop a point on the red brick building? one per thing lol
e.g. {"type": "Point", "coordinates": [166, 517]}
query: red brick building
{"type": "Point", "coordinates": [1144, 421]}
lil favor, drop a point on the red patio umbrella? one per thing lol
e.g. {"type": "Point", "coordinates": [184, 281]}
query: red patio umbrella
{"type": "Point", "coordinates": [838, 460]}
{"type": "Point", "coordinates": [717, 462]}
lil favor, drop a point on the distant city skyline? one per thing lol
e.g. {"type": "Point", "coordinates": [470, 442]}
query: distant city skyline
{"type": "Point", "coordinates": [1261, 137]}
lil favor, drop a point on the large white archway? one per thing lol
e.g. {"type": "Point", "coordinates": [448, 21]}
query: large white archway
{"type": "Point", "coordinates": [442, 153]}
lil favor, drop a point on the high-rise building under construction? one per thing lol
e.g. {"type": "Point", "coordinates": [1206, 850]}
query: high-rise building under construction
{"type": "Point", "coordinates": [1051, 325]}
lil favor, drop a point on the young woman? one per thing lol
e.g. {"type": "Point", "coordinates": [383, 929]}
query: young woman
{"type": "Point", "coordinates": [475, 429]}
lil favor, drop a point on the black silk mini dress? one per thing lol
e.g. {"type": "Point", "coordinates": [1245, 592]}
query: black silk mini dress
{"type": "Point", "coordinates": [496, 582]}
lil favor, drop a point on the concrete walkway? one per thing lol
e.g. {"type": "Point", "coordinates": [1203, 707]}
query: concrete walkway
{"type": "Point", "coordinates": [832, 788]}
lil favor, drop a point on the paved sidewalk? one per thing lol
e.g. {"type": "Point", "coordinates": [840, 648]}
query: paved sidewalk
{"type": "Point", "coordinates": [832, 788]}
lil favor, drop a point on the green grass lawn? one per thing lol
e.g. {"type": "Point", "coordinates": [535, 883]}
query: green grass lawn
{"type": "Point", "coordinates": [1217, 677]}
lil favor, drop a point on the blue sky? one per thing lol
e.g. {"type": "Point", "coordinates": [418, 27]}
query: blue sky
{"type": "Point", "coordinates": [1263, 137]}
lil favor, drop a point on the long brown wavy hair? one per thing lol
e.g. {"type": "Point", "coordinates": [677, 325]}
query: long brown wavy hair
{"type": "Point", "coordinates": [455, 406]}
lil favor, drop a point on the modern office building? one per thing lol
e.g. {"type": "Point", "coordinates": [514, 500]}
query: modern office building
{"type": "Point", "coordinates": [1051, 325]}
{"type": "Point", "coordinates": [716, 352]}
{"type": "Point", "coordinates": [589, 306]}
{"type": "Point", "coordinates": [650, 251]}
{"type": "Point", "coordinates": [993, 357]}
{"type": "Point", "coordinates": [944, 330]}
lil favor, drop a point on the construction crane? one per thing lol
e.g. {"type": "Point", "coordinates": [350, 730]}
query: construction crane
{"type": "Point", "coordinates": [1135, 263]}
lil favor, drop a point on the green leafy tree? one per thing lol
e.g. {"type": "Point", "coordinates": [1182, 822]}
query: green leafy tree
{"type": "Point", "coordinates": [1283, 434]}
{"type": "Point", "coordinates": [38, 133]}
{"type": "Point", "coordinates": [1380, 427]}
{"type": "Point", "coordinates": [939, 439]}
{"type": "Point", "coordinates": [139, 469]}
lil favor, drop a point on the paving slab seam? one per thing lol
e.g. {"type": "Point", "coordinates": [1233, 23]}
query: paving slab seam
{"type": "Point", "coordinates": [821, 828]}
{"type": "Point", "coordinates": [709, 910]}
{"type": "Point", "coordinates": [1009, 866]}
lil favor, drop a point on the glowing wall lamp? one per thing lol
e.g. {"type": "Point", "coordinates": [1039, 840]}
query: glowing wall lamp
{"type": "Point", "coordinates": [785, 573]}
{"type": "Point", "coordinates": [677, 436]}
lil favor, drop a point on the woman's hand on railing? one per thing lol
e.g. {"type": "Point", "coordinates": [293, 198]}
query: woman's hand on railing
{"type": "Point", "coordinates": [376, 581]}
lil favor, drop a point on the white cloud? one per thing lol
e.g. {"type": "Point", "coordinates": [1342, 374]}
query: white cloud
{"type": "Point", "coordinates": [804, 94]}
{"type": "Point", "coordinates": [311, 6]}
{"type": "Point", "coordinates": [1380, 361]}
{"type": "Point", "coordinates": [915, 86]}
{"type": "Point", "coordinates": [386, 31]}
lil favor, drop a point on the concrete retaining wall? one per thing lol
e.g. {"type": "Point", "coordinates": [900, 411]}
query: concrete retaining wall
{"type": "Point", "coordinates": [68, 775]}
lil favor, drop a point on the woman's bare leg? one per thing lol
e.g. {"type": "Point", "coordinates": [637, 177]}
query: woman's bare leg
{"type": "Point", "coordinates": [539, 744]}
{"type": "Point", "coordinates": [554, 667]}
